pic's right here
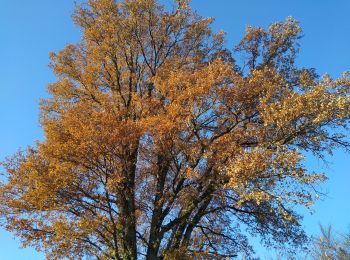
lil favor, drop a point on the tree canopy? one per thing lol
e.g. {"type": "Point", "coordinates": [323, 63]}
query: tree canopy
{"type": "Point", "coordinates": [161, 143]}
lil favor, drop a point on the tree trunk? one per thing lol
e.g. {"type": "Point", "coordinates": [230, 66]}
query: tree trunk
{"type": "Point", "coordinates": [128, 209]}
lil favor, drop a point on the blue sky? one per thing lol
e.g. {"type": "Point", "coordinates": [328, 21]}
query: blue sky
{"type": "Point", "coordinates": [29, 30]}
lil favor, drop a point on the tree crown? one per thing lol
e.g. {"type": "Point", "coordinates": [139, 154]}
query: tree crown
{"type": "Point", "coordinates": [158, 143]}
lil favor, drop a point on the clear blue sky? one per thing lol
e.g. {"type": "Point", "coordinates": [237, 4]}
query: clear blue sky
{"type": "Point", "coordinates": [29, 30]}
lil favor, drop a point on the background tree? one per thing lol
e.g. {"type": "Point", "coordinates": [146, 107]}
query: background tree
{"type": "Point", "coordinates": [158, 144]}
{"type": "Point", "coordinates": [330, 245]}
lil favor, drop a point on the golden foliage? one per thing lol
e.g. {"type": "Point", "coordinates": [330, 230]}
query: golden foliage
{"type": "Point", "coordinates": [157, 142]}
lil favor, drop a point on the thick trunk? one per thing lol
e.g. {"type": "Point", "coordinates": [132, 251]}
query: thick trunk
{"type": "Point", "coordinates": [128, 210]}
{"type": "Point", "coordinates": [157, 217]}
{"type": "Point", "coordinates": [154, 239]}
{"type": "Point", "coordinates": [129, 230]}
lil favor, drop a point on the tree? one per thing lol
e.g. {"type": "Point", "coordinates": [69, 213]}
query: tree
{"type": "Point", "coordinates": [159, 144]}
{"type": "Point", "coordinates": [331, 246]}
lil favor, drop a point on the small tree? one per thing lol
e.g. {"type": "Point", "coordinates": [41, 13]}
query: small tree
{"type": "Point", "coordinates": [158, 144]}
{"type": "Point", "coordinates": [329, 246]}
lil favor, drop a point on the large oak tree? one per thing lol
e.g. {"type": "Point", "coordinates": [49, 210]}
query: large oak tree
{"type": "Point", "coordinates": [161, 143]}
